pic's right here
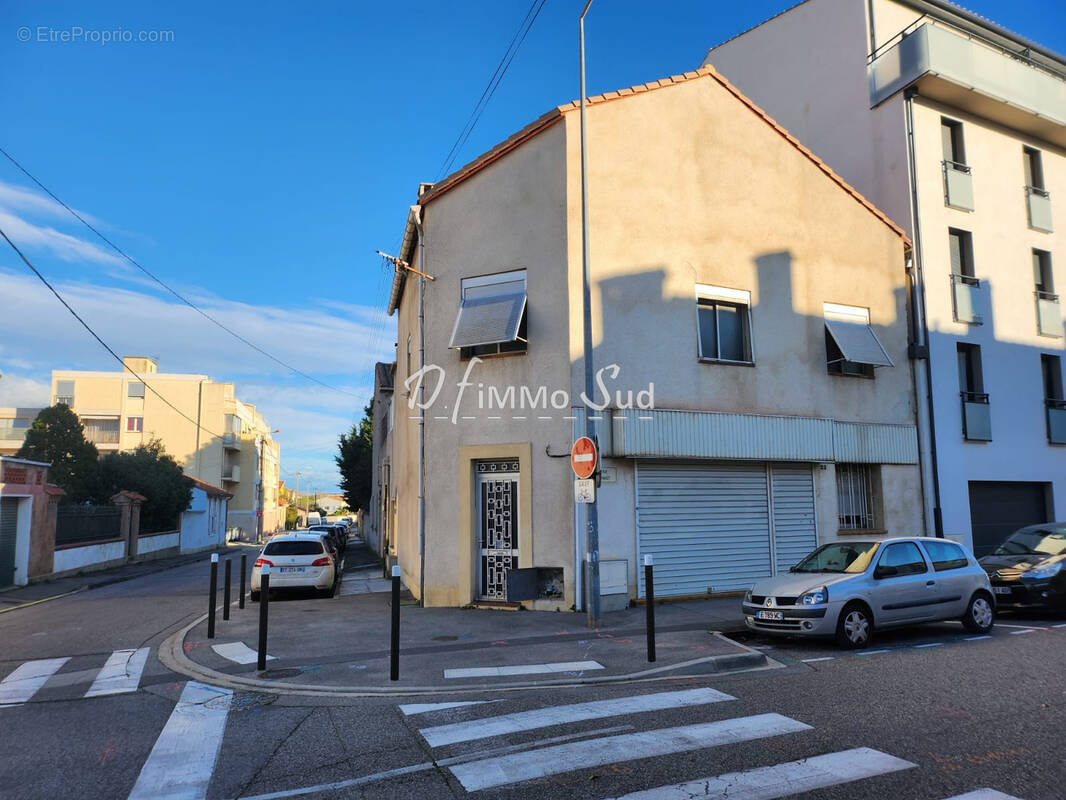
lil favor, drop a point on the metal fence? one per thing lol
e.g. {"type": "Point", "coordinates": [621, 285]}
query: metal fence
{"type": "Point", "coordinates": [86, 524]}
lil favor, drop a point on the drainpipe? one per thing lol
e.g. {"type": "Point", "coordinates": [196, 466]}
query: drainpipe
{"type": "Point", "coordinates": [421, 411]}
{"type": "Point", "coordinates": [923, 378]}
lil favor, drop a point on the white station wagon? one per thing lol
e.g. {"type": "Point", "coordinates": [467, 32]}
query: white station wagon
{"type": "Point", "coordinates": [848, 589]}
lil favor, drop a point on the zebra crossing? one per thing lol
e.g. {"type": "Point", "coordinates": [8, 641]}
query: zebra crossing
{"type": "Point", "coordinates": [119, 674]}
{"type": "Point", "coordinates": [511, 765]}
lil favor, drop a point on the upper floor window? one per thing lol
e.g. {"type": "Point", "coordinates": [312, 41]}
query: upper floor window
{"type": "Point", "coordinates": [136, 389]}
{"type": "Point", "coordinates": [971, 377]}
{"type": "Point", "coordinates": [65, 392]}
{"type": "Point", "coordinates": [492, 315]}
{"type": "Point", "coordinates": [952, 142]}
{"type": "Point", "coordinates": [851, 346]}
{"type": "Point", "coordinates": [1034, 168]}
{"type": "Point", "coordinates": [958, 180]}
{"type": "Point", "coordinates": [1042, 274]}
{"type": "Point", "coordinates": [724, 324]}
{"type": "Point", "coordinates": [960, 244]}
{"type": "Point", "coordinates": [134, 424]}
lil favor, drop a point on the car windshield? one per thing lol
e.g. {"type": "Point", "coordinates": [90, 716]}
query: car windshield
{"type": "Point", "coordinates": [1035, 542]}
{"type": "Point", "coordinates": [853, 557]}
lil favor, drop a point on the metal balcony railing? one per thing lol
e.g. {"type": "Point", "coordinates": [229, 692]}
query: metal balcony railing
{"type": "Point", "coordinates": [231, 441]}
{"type": "Point", "coordinates": [967, 298]}
{"type": "Point", "coordinates": [101, 437]}
{"type": "Point", "coordinates": [976, 417]}
{"type": "Point", "coordinates": [1055, 410]}
{"type": "Point", "coordinates": [65, 399]}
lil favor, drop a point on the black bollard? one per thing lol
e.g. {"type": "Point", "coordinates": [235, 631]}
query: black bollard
{"type": "Point", "coordinates": [244, 571]}
{"type": "Point", "coordinates": [394, 660]}
{"type": "Point", "coordinates": [649, 603]}
{"type": "Point", "coordinates": [213, 598]}
{"type": "Point", "coordinates": [264, 601]}
{"type": "Point", "coordinates": [226, 583]}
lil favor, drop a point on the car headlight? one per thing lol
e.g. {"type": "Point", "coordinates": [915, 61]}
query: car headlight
{"type": "Point", "coordinates": [815, 597]}
{"type": "Point", "coordinates": [1042, 573]}
{"type": "Point", "coordinates": [747, 596]}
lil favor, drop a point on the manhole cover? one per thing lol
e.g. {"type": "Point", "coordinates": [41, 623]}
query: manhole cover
{"type": "Point", "coordinates": [272, 674]}
{"type": "Point", "coordinates": [445, 638]}
{"type": "Point", "coordinates": [248, 702]}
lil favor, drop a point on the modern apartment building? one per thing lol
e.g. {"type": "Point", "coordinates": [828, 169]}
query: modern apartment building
{"type": "Point", "coordinates": [956, 128]}
{"type": "Point", "coordinates": [213, 435]}
{"type": "Point", "coordinates": [748, 314]}
{"type": "Point", "coordinates": [14, 422]}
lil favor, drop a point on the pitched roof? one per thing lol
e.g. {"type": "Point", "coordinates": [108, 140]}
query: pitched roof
{"type": "Point", "coordinates": [210, 488]}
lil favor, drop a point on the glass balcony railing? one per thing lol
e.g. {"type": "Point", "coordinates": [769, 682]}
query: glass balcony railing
{"type": "Point", "coordinates": [976, 417]}
{"type": "Point", "coordinates": [1038, 202]}
{"type": "Point", "coordinates": [967, 299]}
{"type": "Point", "coordinates": [1056, 421]}
{"type": "Point", "coordinates": [1048, 314]}
{"type": "Point", "coordinates": [958, 185]}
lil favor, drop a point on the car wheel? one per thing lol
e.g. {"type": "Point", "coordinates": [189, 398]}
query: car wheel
{"type": "Point", "coordinates": [254, 596]}
{"type": "Point", "coordinates": [980, 615]}
{"type": "Point", "coordinates": [855, 626]}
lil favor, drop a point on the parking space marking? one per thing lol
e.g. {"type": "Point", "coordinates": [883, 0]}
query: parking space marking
{"type": "Point", "coordinates": [410, 709]}
{"type": "Point", "coordinates": [976, 638]}
{"type": "Point", "coordinates": [823, 658]}
{"type": "Point", "coordinates": [522, 669]}
{"type": "Point", "coordinates": [930, 644]}
{"type": "Point", "coordinates": [1027, 627]}
{"type": "Point", "coordinates": [983, 794]}
{"type": "Point", "coordinates": [1060, 625]}
{"type": "Point", "coordinates": [871, 652]}
{"type": "Point", "coordinates": [1019, 633]}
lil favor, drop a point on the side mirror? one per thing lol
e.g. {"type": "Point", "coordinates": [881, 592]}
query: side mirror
{"type": "Point", "coordinates": [885, 572]}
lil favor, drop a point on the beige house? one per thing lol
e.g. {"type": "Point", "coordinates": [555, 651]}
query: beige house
{"type": "Point", "coordinates": [749, 324]}
{"type": "Point", "coordinates": [956, 127]}
{"type": "Point", "coordinates": [213, 435]}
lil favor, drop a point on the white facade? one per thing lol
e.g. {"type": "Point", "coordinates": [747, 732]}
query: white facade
{"type": "Point", "coordinates": [203, 525]}
{"type": "Point", "coordinates": [938, 116]}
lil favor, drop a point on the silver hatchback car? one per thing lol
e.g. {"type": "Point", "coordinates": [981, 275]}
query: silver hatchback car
{"type": "Point", "coordinates": [847, 589]}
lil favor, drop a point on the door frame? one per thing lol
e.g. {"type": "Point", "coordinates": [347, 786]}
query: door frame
{"type": "Point", "coordinates": [481, 478]}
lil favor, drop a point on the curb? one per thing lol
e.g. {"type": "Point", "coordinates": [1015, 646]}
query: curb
{"type": "Point", "coordinates": [172, 656]}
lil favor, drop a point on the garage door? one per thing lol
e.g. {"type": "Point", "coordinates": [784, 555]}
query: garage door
{"type": "Point", "coordinates": [998, 509]}
{"type": "Point", "coordinates": [708, 526]}
{"type": "Point", "coordinates": [9, 508]}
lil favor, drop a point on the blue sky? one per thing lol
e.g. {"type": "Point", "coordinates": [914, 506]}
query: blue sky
{"type": "Point", "coordinates": [256, 162]}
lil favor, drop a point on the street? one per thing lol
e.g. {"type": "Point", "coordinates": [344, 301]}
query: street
{"type": "Point", "coordinates": [925, 713]}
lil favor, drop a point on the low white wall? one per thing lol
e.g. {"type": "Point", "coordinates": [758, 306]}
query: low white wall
{"type": "Point", "coordinates": [75, 558]}
{"type": "Point", "coordinates": [164, 541]}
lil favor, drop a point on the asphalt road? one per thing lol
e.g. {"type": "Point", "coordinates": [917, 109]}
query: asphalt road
{"type": "Point", "coordinates": [913, 721]}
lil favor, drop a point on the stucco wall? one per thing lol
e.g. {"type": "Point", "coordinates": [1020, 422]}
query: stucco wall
{"type": "Point", "coordinates": [95, 556]}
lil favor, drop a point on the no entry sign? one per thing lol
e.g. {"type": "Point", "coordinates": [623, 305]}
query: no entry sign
{"type": "Point", "coordinates": [583, 457]}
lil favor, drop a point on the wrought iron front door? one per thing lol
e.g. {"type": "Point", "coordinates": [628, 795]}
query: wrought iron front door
{"type": "Point", "coordinates": [497, 526]}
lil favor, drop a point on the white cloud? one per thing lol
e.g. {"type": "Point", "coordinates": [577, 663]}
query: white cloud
{"type": "Point", "coordinates": [31, 201]}
{"type": "Point", "coordinates": [62, 245]}
{"type": "Point", "coordinates": [21, 391]}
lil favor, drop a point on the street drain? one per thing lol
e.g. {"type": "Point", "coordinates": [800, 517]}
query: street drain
{"type": "Point", "coordinates": [445, 638]}
{"type": "Point", "coordinates": [249, 702]}
{"type": "Point", "coordinates": [291, 672]}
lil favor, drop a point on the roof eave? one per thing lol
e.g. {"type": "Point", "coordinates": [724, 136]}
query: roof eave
{"type": "Point", "coordinates": [407, 246]}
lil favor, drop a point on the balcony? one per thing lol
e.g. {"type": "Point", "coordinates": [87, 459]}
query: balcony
{"type": "Point", "coordinates": [231, 441]}
{"type": "Point", "coordinates": [1048, 315]}
{"type": "Point", "coordinates": [958, 185]}
{"type": "Point", "coordinates": [13, 434]}
{"type": "Point", "coordinates": [65, 399]}
{"type": "Point", "coordinates": [231, 474]}
{"type": "Point", "coordinates": [1039, 204]}
{"type": "Point", "coordinates": [976, 417]}
{"type": "Point", "coordinates": [968, 299]}
{"type": "Point", "coordinates": [972, 73]}
{"type": "Point", "coordinates": [1056, 421]}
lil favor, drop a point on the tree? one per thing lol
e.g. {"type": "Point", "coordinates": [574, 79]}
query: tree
{"type": "Point", "coordinates": [58, 438]}
{"type": "Point", "coordinates": [356, 460]}
{"type": "Point", "coordinates": [147, 470]}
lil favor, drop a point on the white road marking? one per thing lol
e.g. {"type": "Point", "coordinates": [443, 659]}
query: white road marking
{"type": "Point", "coordinates": [522, 669]}
{"type": "Point", "coordinates": [23, 683]}
{"type": "Point", "coordinates": [183, 758]}
{"type": "Point", "coordinates": [410, 709]}
{"type": "Point", "coordinates": [441, 735]}
{"type": "Point", "coordinates": [977, 638]}
{"type": "Point", "coordinates": [931, 644]}
{"type": "Point", "coordinates": [121, 673]}
{"type": "Point", "coordinates": [1060, 625]}
{"type": "Point", "coordinates": [870, 652]}
{"type": "Point", "coordinates": [239, 652]}
{"type": "Point", "coordinates": [1019, 633]}
{"type": "Point", "coordinates": [487, 773]}
{"type": "Point", "coordinates": [983, 794]}
{"type": "Point", "coordinates": [1027, 627]}
{"type": "Point", "coordinates": [783, 780]}
{"type": "Point", "coordinates": [823, 658]}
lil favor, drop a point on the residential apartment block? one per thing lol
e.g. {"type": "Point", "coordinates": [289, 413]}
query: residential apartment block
{"type": "Point", "coordinates": [956, 128]}
{"type": "Point", "coordinates": [213, 435]}
{"type": "Point", "coordinates": [749, 324]}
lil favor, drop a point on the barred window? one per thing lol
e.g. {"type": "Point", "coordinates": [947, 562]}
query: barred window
{"type": "Point", "coordinates": [856, 497]}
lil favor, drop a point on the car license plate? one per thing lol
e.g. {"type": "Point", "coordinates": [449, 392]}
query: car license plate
{"type": "Point", "coordinates": [293, 569]}
{"type": "Point", "coordinates": [770, 615]}
{"type": "Point", "coordinates": [1001, 589]}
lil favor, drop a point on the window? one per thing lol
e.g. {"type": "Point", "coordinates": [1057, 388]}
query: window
{"type": "Point", "coordinates": [858, 497]}
{"type": "Point", "coordinates": [951, 140]}
{"type": "Point", "coordinates": [961, 246]}
{"type": "Point", "coordinates": [851, 346]}
{"type": "Point", "coordinates": [946, 555]}
{"type": "Point", "coordinates": [971, 381]}
{"type": "Point", "coordinates": [134, 424]}
{"type": "Point", "coordinates": [1034, 168]}
{"type": "Point", "coordinates": [904, 557]}
{"type": "Point", "coordinates": [1051, 368]}
{"type": "Point", "coordinates": [135, 389]}
{"type": "Point", "coordinates": [724, 324]}
{"type": "Point", "coordinates": [1042, 275]}
{"type": "Point", "coordinates": [65, 392]}
{"type": "Point", "coordinates": [492, 315]}
{"type": "Point", "coordinates": [101, 430]}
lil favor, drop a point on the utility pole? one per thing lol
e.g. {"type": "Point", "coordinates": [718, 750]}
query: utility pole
{"type": "Point", "coordinates": [592, 516]}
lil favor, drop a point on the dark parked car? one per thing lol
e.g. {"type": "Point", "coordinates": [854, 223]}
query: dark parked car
{"type": "Point", "coordinates": [340, 540]}
{"type": "Point", "coordinates": [1029, 568]}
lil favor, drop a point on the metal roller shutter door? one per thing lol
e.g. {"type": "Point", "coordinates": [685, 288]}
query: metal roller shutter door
{"type": "Point", "coordinates": [9, 508]}
{"type": "Point", "coordinates": [795, 531]}
{"type": "Point", "coordinates": [998, 509]}
{"type": "Point", "coordinates": [707, 526]}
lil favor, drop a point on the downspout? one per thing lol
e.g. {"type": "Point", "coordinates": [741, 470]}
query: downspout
{"type": "Point", "coordinates": [421, 411]}
{"type": "Point", "coordinates": [923, 378]}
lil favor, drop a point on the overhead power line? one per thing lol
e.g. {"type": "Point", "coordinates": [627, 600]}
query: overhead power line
{"type": "Point", "coordinates": [158, 280]}
{"type": "Point", "coordinates": [490, 88]}
{"type": "Point", "coordinates": [96, 336]}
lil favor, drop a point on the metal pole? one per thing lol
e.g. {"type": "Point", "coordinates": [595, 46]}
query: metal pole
{"type": "Point", "coordinates": [244, 571]}
{"type": "Point", "coordinates": [649, 604]}
{"type": "Point", "coordinates": [394, 655]}
{"type": "Point", "coordinates": [213, 597]}
{"type": "Point", "coordinates": [264, 602]}
{"type": "Point", "coordinates": [592, 516]}
{"type": "Point", "coordinates": [226, 582]}
{"type": "Point", "coordinates": [421, 417]}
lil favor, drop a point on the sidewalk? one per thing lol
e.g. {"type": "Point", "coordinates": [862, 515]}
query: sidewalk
{"type": "Point", "coordinates": [17, 596]}
{"type": "Point", "coordinates": [340, 645]}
